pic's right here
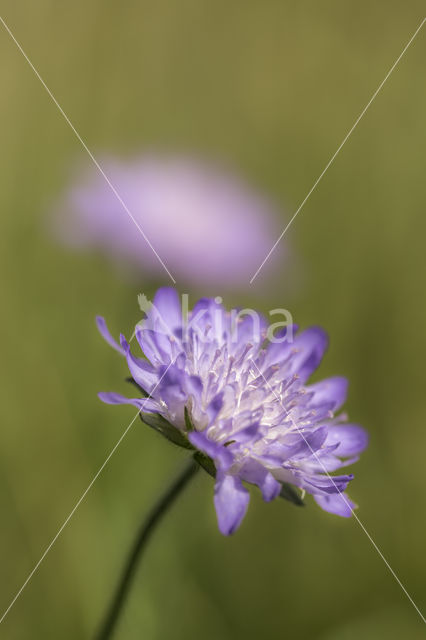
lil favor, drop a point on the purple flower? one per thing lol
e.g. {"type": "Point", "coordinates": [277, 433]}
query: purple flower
{"type": "Point", "coordinates": [211, 384]}
{"type": "Point", "coordinates": [207, 227]}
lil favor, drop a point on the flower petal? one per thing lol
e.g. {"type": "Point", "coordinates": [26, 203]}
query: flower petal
{"type": "Point", "coordinates": [331, 390]}
{"type": "Point", "coordinates": [142, 371]}
{"type": "Point", "coordinates": [279, 347]}
{"type": "Point", "coordinates": [325, 484]}
{"type": "Point", "coordinates": [167, 308]}
{"type": "Point", "coordinates": [252, 433]}
{"type": "Point", "coordinates": [308, 349]}
{"type": "Point", "coordinates": [209, 316]}
{"type": "Point", "coordinates": [231, 500]}
{"type": "Point", "coordinates": [247, 328]}
{"type": "Point", "coordinates": [338, 503]}
{"type": "Point", "coordinates": [214, 407]}
{"type": "Point", "coordinates": [103, 330]}
{"type": "Point", "coordinates": [257, 474]}
{"type": "Point", "coordinates": [149, 343]}
{"type": "Point", "coordinates": [305, 445]}
{"type": "Point", "coordinates": [147, 405]}
{"type": "Point", "coordinates": [217, 452]}
{"type": "Point", "coordinates": [351, 438]}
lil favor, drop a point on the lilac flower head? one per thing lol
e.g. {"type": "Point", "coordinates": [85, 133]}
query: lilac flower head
{"type": "Point", "coordinates": [244, 407]}
{"type": "Point", "coordinates": [208, 227]}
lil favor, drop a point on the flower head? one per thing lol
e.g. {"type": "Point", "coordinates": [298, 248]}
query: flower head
{"type": "Point", "coordinates": [213, 385]}
{"type": "Point", "coordinates": [218, 228]}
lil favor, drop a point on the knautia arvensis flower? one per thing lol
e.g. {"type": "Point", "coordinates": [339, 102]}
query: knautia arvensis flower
{"type": "Point", "coordinates": [192, 198]}
{"type": "Point", "coordinates": [242, 404]}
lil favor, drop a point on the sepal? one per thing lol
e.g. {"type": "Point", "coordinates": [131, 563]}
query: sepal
{"type": "Point", "coordinates": [205, 462]}
{"type": "Point", "coordinates": [160, 424]}
{"type": "Point", "coordinates": [288, 492]}
{"type": "Point", "coordinates": [138, 387]}
{"type": "Point", "coordinates": [188, 422]}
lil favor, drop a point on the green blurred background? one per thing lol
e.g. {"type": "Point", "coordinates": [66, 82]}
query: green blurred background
{"type": "Point", "coordinates": [271, 87]}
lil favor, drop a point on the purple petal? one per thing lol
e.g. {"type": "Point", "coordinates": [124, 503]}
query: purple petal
{"type": "Point", "coordinates": [142, 371]}
{"type": "Point", "coordinates": [279, 349]}
{"type": "Point", "coordinates": [148, 342]}
{"type": "Point", "coordinates": [103, 330]}
{"type": "Point", "coordinates": [164, 318]}
{"type": "Point", "coordinates": [326, 483]}
{"type": "Point", "coordinates": [147, 405]}
{"type": "Point", "coordinates": [207, 313]}
{"type": "Point", "coordinates": [255, 473]}
{"type": "Point", "coordinates": [231, 500]}
{"type": "Point", "coordinates": [247, 329]}
{"type": "Point", "coordinates": [251, 433]}
{"type": "Point", "coordinates": [308, 349]}
{"type": "Point", "coordinates": [167, 303]}
{"type": "Point", "coordinates": [326, 461]}
{"type": "Point", "coordinates": [331, 390]}
{"type": "Point", "coordinates": [338, 503]}
{"type": "Point", "coordinates": [214, 407]}
{"type": "Point", "coordinates": [217, 452]}
{"type": "Point", "coordinates": [172, 388]}
{"type": "Point", "coordinates": [199, 317]}
{"type": "Point", "coordinates": [351, 438]}
{"type": "Point", "coordinates": [305, 445]}
{"type": "Point", "coordinates": [195, 386]}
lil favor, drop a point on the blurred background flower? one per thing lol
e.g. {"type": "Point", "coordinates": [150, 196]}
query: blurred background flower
{"type": "Point", "coordinates": [208, 227]}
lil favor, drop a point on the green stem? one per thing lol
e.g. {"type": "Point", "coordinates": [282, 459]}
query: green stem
{"type": "Point", "coordinates": [144, 533]}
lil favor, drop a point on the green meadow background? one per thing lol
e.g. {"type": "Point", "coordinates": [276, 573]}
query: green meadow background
{"type": "Point", "coordinates": [270, 88]}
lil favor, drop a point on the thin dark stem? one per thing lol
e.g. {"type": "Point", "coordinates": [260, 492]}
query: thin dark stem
{"type": "Point", "coordinates": [147, 527]}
